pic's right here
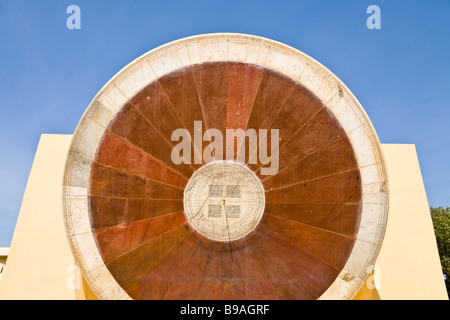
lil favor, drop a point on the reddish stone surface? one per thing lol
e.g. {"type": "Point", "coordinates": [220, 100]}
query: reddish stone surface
{"type": "Point", "coordinates": [243, 82]}
{"type": "Point", "coordinates": [211, 82]}
{"type": "Point", "coordinates": [123, 238]}
{"type": "Point", "coordinates": [313, 203]}
{"type": "Point", "coordinates": [117, 153]}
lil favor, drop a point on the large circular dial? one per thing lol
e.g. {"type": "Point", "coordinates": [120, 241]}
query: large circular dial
{"type": "Point", "coordinates": [225, 167]}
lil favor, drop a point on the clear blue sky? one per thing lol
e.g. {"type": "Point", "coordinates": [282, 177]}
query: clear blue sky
{"type": "Point", "coordinates": [49, 74]}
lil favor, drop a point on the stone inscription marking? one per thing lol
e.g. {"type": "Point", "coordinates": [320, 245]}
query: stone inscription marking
{"type": "Point", "coordinates": [224, 201]}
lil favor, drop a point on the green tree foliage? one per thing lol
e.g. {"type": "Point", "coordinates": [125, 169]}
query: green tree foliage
{"type": "Point", "coordinates": [441, 223]}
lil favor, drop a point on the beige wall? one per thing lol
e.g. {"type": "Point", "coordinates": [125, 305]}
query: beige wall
{"type": "Point", "coordinates": [41, 266]}
{"type": "Point", "coordinates": [408, 266]}
{"type": "Point", "coordinates": [40, 263]}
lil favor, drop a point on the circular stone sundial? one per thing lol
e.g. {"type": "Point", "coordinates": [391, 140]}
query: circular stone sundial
{"type": "Point", "coordinates": [224, 201]}
{"type": "Point", "coordinates": [143, 226]}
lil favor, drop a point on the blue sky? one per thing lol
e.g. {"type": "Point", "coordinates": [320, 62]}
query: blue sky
{"type": "Point", "coordinates": [49, 74]}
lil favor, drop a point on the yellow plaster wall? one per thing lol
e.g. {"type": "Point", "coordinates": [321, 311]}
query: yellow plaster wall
{"type": "Point", "coordinates": [408, 266]}
{"type": "Point", "coordinates": [40, 264]}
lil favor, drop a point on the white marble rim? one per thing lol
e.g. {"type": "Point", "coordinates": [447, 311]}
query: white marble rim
{"type": "Point", "coordinates": [215, 48]}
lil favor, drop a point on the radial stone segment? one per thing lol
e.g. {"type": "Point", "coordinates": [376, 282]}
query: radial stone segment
{"type": "Point", "coordinates": [143, 226]}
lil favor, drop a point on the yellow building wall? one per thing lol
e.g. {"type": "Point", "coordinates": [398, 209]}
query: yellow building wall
{"type": "Point", "coordinates": [40, 264]}
{"type": "Point", "coordinates": [408, 265]}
